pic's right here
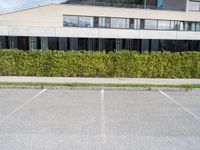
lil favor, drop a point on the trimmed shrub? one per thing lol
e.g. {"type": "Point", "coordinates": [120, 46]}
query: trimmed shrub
{"type": "Point", "coordinates": [100, 64]}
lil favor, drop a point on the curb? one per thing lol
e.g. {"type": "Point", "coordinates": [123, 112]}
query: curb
{"type": "Point", "coordinates": [100, 88]}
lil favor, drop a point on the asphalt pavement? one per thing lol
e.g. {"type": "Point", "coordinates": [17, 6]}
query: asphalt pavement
{"type": "Point", "coordinates": [61, 119]}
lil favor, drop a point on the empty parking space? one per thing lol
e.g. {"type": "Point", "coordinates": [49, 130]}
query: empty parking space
{"type": "Point", "coordinates": [98, 119]}
{"type": "Point", "coordinates": [190, 100]}
{"type": "Point", "coordinates": [12, 99]}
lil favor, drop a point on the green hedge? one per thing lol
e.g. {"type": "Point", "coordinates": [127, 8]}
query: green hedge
{"type": "Point", "coordinates": [100, 64]}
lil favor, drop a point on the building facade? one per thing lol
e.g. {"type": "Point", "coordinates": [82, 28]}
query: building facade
{"type": "Point", "coordinates": [141, 25]}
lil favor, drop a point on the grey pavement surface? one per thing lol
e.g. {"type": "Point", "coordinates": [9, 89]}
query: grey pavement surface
{"type": "Point", "coordinates": [99, 80]}
{"type": "Point", "coordinates": [40, 119]}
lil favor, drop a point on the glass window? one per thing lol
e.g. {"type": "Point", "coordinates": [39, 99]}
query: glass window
{"type": "Point", "coordinates": [194, 6]}
{"type": "Point", "coordinates": [96, 22]}
{"type": "Point", "coordinates": [151, 24]}
{"type": "Point", "coordinates": [198, 26]}
{"type": "Point", "coordinates": [102, 22]}
{"type": "Point", "coordinates": [160, 4]}
{"type": "Point", "coordinates": [127, 22]}
{"type": "Point", "coordinates": [86, 21]}
{"type": "Point", "coordinates": [107, 22]}
{"type": "Point", "coordinates": [131, 26]}
{"type": "Point", "coordinates": [172, 25]}
{"type": "Point", "coordinates": [142, 22]}
{"type": "Point", "coordinates": [119, 23]}
{"type": "Point", "coordinates": [193, 26]}
{"type": "Point", "coordinates": [151, 4]}
{"type": "Point", "coordinates": [177, 25]}
{"type": "Point", "coordinates": [138, 24]}
{"type": "Point", "coordinates": [70, 21]}
{"type": "Point", "coordinates": [186, 26]}
{"type": "Point", "coordinates": [163, 25]}
{"type": "Point", "coordinates": [181, 26]}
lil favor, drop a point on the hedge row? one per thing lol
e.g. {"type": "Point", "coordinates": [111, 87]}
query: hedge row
{"type": "Point", "coordinates": [100, 64]}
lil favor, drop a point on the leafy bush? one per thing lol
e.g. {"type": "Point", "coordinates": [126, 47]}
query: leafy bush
{"type": "Point", "coordinates": [100, 64]}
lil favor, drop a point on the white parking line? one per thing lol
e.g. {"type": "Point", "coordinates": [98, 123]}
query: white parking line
{"type": "Point", "coordinates": [22, 106]}
{"type": "Point", "coordinates": [103, 121]}
{"type": "Point", "coordinates": [181, 106]}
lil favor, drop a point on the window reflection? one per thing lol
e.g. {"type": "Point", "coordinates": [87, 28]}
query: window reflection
{"type": "Point", "coordinates": [96, 22]}
{"type": "Point", "coordinates": [86, 21]}
{"type": "Point", "coordinates": [107, 22]}
{"type": "Point", "coordinates": [71, 21]}
{"type": "Point", "coordinates": [177, 25]}
{"type": "Point", "coordinates": [194, 6]}
{"type": "Point", "coordinates": [132, 23]}
{"type": "Point", "coordinates": [163, 25]}
{"type": "Point", "coordinates": [119, 23]}
{"type": "Point", "coordinates": [150, 24]}
{"type": "Point", "coordinates": [102, 22]}
{"type": "Point", "coordinates": [197, 26]}
{"type": "Point", "coordinates": [193, 26]}
{"type": "Point", "coordinates": [137, 23]}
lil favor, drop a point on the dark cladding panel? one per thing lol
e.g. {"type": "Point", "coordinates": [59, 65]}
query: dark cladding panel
{"type": "Point", "coordinates": [2, 42]}
{"type": "Point", "coordinates": [92, 44]}
{"type": "Point", "coordinates": [23, 43]}
{"type": "Point", "coordinates": [13, 43]}
{"type": "Point", "coordinates": [145, 45]}
{"type": "Point", "coordinates": [63, 44]}
{"type": "Point", "coordinates": [83, 44]}
{"type": "Point", "coordinates": [154, 45]}
{"type": "Point", "coordinates": [73, 43]}
{"type": "Point", "coordinates": [102, 44]}
{"type": "Point", "coordinates": [53, 43]}
{"type": "Point", "coordinates": [119, 44]}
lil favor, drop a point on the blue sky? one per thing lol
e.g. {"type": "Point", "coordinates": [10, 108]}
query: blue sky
{"type": "Point", "coordinates": [7, 4]}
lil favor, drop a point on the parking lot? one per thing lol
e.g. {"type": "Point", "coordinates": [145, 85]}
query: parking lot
{"type": "Point", "coordinates": [61, 119]}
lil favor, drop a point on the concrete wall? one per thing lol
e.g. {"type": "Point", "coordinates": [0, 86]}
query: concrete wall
{"type": "Point", "coordinates": [47, 21]}
{"type": "Point", "coordinates": [97, 33]}
{"type": "Point", "coordinates": [52, 15]}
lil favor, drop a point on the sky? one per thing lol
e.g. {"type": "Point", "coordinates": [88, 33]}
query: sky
{"type": "Point", "coordinates": [9, 4]}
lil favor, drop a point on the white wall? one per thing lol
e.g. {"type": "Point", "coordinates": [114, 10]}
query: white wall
{"type": "Point", "coordinates": [97, 33]}
{"type": "Point", "coordinates": [48, 21]}
{"type": "Point", "coordinates": [52, 15]}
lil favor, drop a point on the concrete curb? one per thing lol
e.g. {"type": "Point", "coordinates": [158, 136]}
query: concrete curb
{"type": "Point", "coordinates": [99, 88]}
